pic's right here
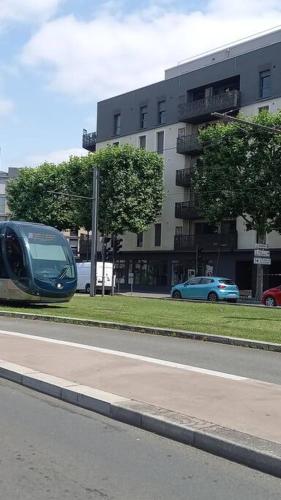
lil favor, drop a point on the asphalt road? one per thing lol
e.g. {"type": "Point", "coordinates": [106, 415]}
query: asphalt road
{"type": "Point", "coordinates": [54, 451]}
{"type": "Point", "coordinates": [252, 363]}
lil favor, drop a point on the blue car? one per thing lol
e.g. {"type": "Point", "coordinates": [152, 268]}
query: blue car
{"type": "Point", "coordinates": [206, 288]}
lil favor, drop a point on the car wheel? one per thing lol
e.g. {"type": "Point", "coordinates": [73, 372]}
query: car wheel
{"type": "Point", "coordinates": [270, 301]}
{"type": "Point", "coordinates": [177, 295]}
{"type": "Point", "coordinates": [212, 297]}
{"type": "Point", "coordinates": [87, 288]}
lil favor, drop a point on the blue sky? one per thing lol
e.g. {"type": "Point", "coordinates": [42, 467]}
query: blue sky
{"type": "Point", "coordinates": [59, 57]}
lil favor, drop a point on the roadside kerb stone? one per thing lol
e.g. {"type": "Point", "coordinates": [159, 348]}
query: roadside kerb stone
{"type": "Point", "coordinates": [230, 444]}
{"type": "Point", "coordinates": [184, 334]}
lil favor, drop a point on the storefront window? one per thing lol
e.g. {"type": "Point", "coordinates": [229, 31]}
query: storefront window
{"type": "Point", "coordinates": [150, 273]}
{"type": "Point", "coordinates": [120, 272]}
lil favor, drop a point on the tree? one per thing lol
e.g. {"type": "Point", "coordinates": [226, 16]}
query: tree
{"type": "Point", "coordinates": [239, 174]}
{"type": "Point", "coordinates": [131, 188]}
{"type": "Point", "coordinates": [130, 191]}
{"type": "Point", "coordinates": [29, 200]}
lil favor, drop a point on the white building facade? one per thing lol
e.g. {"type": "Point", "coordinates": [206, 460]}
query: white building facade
{"type": "Point", "coordinates": [165, 117]}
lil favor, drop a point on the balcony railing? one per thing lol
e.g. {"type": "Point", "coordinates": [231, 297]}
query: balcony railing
{"type": "Point", "coordinates": [187, 210]}
{"type": "Point", "coordinates": [188, 144]}
{"type": "Point", "coordinates": [209, 242]}
{"type": "Point", "coordinates": [200, 110]}
{"type": "Point", "coordinates": [89, 140]}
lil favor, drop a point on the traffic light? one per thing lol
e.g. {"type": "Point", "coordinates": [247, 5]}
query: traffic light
{"type": "Point", "coordinates": [116, 245]}
{"type": "Point", "coordinates": [107, 253]}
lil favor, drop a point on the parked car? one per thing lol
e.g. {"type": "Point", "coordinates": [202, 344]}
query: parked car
{"type": "Point", "coordinates": [272, 297]}
{"type": "Point", "coordinates": [206, 288]}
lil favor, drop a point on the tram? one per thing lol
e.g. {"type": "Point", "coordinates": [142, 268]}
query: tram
{"type": "Point", "coordinates": [36, 264]}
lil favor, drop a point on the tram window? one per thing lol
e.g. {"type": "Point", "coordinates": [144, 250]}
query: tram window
{"type": "Point", "coordinates": [15, 255]}
{"type": "Point", "coordinates": [49, 253]}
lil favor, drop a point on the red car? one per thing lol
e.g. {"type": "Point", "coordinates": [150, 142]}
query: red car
{"type": "Point", "coordinates": [272, 297]}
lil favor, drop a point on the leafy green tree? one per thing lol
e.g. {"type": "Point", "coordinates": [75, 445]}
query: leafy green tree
{"type": "Point", "coordinates": [130, 191]}
{"type": "Point", "coordinates": [131, 188]}
{"type": "Point", "coordinates": [239, 174]}
{"type": "Point", "coordinates": [29, 199]}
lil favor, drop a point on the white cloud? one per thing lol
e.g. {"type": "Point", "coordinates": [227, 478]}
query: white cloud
{"type": "Point", "coordinates": [53, 157]}
{"type": "Point", "coordinates": [6, 107]}
{"type": "Point", "coordinates": [107, 55]}
{"type": "Point", "coordinates": [27, 10]}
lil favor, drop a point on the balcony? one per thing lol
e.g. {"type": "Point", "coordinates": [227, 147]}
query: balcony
{"type": "Point", "coordinates": [200, 110]}
{"type": "Point", "coordinates": [183, 177]}
{"type": "Point", "coordinates": [209, 242]}
{"type": "Point", "coordinates": [187, 210]}
{"type": "Point", "coordinates": [89, 141]}
{"type": "Point", "coordinates": [188, 144]}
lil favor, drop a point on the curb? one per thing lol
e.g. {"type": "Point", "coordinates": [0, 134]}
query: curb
{"type": "Point", "coordinates": [184, 334]}
{"type": "Point", "coordinates": [242, 448]}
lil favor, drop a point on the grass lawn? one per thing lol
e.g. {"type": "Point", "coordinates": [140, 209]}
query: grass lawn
{"type": "Point", "coordinates": [248, 322]}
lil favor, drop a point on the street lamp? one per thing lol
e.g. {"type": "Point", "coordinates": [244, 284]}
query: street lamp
{"type": "Point", "coordinates": [94, 200]}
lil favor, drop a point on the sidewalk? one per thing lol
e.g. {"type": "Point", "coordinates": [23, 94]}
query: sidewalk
{"type": "Point", "coordinates": [240, 413]}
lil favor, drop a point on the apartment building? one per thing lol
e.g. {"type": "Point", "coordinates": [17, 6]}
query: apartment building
{"type": "Point", "coordinates": [165, 117]}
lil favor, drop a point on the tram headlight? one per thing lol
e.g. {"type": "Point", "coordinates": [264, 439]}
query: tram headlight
{"type": "Point", "coordinates": [59, 285]}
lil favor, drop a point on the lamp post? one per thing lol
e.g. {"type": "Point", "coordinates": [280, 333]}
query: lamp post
{"type": "Point", "coordinates": [94, 199]}
{"type": "Point", "coordinates": [94, 233]}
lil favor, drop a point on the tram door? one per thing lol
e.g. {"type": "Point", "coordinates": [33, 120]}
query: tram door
{"type": "Point", "coordinates": [16, 262]}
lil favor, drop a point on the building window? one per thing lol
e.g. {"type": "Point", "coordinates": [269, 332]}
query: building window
{"type": "Point", "coordinates": [160, 142]}
{"type": "Point", "coordinates": [178, 230]}
{"type": "Point", "coordinates": [140, 239]}
{"type": "Point", "coordinates": [142, 141]}
{"type": "Point", "coordinates": [143, 116]}
{"type": "Point", "coordinates": [161, 112]}
{"type": "Point", "coordinates": [263, 108]}
{"type": "Point", "coordinates": [157, 235]}
{"type": "Point", "coordinates": [117, 119]}
{"type": "Point", "coordinates": [265, 84]}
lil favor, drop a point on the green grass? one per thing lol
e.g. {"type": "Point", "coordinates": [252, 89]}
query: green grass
{"type": "Point", "coordinates": [247, 322]}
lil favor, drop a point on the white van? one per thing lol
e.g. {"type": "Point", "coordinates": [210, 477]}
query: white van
{"type": "Point", "coordinates": [84, 276]}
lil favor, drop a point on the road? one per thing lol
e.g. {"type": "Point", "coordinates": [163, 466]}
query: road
{"type": "Point", "coordinates": [252, 363]}
{"type": "Point", "coordinates": [54, 451]}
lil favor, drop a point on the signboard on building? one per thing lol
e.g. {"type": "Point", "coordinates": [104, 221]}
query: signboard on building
{"type": "Point", "coordinates": [209, 270]}
{"type": "Point", "coordinates": [261, 253]}
{"type": "Point", "coordinates": [261, 245]}
{"type": "Point", "coordinates": [262, 260]}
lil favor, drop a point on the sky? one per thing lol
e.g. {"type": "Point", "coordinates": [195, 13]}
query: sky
{"type": "Point", "coordinates": [58, 58]}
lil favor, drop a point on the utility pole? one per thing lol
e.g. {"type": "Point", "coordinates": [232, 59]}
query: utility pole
{"type": "Point", "coordinates": [94, 233]}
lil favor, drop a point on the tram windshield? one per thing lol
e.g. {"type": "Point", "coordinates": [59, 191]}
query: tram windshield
{"type": "Point", "coordinates": [50, 255]}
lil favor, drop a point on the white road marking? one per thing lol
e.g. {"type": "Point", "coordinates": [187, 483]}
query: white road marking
{"type": "Point", "coordinates": [128, 355]}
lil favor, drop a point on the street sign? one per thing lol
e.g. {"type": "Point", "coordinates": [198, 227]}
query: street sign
{"type": "Point", "coordinates": [261, 253]}
{"type": "Point", "coordinates": [261, 245]}
{"type": "Point", "coordinates": [131, 278]}
{"type": "Point", "coordinates": [262, 260]}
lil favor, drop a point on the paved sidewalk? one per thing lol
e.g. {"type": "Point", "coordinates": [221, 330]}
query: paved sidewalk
{"type": "Point", "coordinates": [249, 407]}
